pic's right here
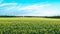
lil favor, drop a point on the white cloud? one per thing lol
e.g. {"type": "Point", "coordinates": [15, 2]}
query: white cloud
{"type": "Point", "coordinates": [7, 8]}
{"type": "Point", "coordinates": [39, 10]}
{"type": "Point", "coordinates": [35, 6]}
{"type": "Point", "coordinates": [8, 4]}
{"type": "Point", "coordinates": [30, 10]}
{"type": "Point", "coordinates": [35, 10]}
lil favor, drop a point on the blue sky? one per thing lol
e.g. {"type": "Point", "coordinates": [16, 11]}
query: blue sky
{"type": "Point", "coordinates": [30, 7]}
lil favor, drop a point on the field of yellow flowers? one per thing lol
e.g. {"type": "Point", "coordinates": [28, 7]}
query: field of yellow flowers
{"type": "Point", "coordinates": [29, 26]}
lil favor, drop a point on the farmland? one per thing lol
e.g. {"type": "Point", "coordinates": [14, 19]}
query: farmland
{"type": "Point", "coordinates": [29, 26]}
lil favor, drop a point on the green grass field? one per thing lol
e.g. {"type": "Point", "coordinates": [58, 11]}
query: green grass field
{"type": "Point", "coordinates": [29, 26]}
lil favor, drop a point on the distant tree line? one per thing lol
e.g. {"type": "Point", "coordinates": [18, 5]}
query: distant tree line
{"type": "Point", "coordinates": [33, 16]}
{"type": "Point", "coordinates": [52, 16]}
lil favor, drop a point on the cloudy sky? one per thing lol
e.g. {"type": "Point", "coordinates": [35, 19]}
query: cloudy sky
{"type": "Point", "coordinates": [30, 7]}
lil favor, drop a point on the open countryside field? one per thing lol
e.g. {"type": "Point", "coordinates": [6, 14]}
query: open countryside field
{"type": "Point", "coordinates": [29, 26]}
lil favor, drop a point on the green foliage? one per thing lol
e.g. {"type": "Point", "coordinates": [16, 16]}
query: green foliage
{"type": "Point", "coordinates": [29, 26]}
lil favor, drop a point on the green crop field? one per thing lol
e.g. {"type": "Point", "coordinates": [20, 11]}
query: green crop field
{"type": "Point", "coordinates": [29, 26]}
